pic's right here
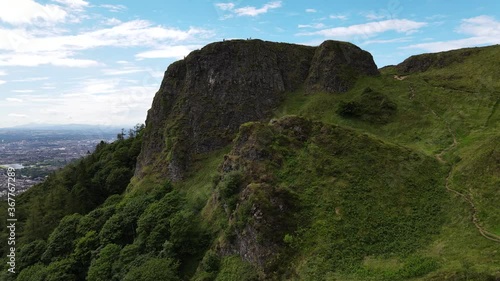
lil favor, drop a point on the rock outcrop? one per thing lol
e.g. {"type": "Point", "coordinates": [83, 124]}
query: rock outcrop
{"type": "Point", "coordinates": [205, 97]}
{"type": "Point", "coordinates": [337, 65]}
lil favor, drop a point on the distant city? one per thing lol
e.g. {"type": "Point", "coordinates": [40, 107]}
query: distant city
{"type": "Point", "coordinates": [37, 151]}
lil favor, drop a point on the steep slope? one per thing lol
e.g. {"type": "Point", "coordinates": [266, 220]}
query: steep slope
{"type": "Point", "coordinates": [204, 98]}
{"type": "Point", "coordinates": [315, 199]}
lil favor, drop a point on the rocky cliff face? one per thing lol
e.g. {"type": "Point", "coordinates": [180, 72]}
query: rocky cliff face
{"type": "Point", "coordinates": [336, 66]}
{"type": "Point", "coordinates": [204, 98]}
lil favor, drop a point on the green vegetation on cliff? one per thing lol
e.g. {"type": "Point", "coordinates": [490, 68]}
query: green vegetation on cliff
{"type": "Point", "coordinates": [270, 161]}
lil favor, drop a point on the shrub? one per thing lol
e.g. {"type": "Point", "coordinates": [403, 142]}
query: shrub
{"type": "Point", "coordinates": [371, 106]}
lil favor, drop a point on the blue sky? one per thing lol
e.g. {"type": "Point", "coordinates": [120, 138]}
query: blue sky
{"type": "Point", "coordinates": [101, 62]}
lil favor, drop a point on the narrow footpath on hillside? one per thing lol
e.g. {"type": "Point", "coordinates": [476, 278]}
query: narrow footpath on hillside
{"type": "Point", "coordinates": [439, 156]}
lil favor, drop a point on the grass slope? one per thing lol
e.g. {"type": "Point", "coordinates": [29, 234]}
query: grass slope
{"type": "Point", "coordinates": [457, 101]}
{"type": "Point", "coordinates": [358, 198]}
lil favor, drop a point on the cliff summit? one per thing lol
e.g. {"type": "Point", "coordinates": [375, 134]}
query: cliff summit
{"type": "Point", "coordinates": [205, 97]}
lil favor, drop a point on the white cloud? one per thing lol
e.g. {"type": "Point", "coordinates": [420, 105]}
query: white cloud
{"type": "Point", "coordinates": [316, 25]}
{"type": "Point", "coordinates": [22, 91]}
{"type": "Point", "coordinates": [18, 115]}
{"type": "Point", "coordinates": [104, 101]}
{"type": "Point", "coordinates": [13, 100]}
{"type": "Point", "coordinates": [311, 11]}
{"type": "Point", "coordinates": [385, 41]}
{"type": "Point", "coordinates": [3, 73]}
{"type": "Point", "coordinates": [482, 30]}
{"type": "Point", "coordinates": [97, 104]}
{"type": "Point", "coordinates": [338, 17]}
{"type": "Point", "coordinates": [253, 11]}
{"type": "Point", "coordinates": [370, 29]}
{"type": "Point", "coordinates": [21, 12]}
{"type": "Point", "coordinates": [42, 58]}
{"type": "Point", "coordinates": [248, 10]}
{"type": "Point", "coordinates": [112, 21]}
{"type": "Point", "coordinates": [70, 62]}
{"type": "Point", "coordinates": [131, 33]}
{"type": "Point", "coordinates": [31, 79]}
{"type": "Point", "coordinates": [176, 52]}
{"type": "Point", "coordinates": [480, 26]}
{"type": "Point", "coordinates": [11, 39]}
{"type": "Point", "coordinates": [73, 4]}
{"type": "Point", "coordinates": [136, 33]}
{"type": "Point", "coordinates": [225, 6]}
{"type": "Point", "coordinates": [124, 70]}
{"type": "Point", "coordinates": [374, 16]}
{"type": "Point", "coordinates": [94, 86]}
{"type": "Point", "coordinates": [31, 49]}
{"type": "Point", "coordinates": [2, 82]}
{"type": "Point", "coordinates": [114, 8]}
{"type": "Point", "coordinates": [440, 46]}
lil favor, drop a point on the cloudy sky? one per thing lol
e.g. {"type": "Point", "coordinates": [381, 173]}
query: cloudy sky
{"type": "Point", "coordinates": [100, 62]}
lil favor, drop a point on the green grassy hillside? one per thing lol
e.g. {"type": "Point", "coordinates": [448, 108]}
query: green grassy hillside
{"type": "Point", "coordinates": [396, 179]}
{"type": "Point", "coordinates": [326, 199]}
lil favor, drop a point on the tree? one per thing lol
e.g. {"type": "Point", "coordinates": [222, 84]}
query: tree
{"type": "Point", "coordinates": [84, 249]}
{"type": "Point", "coordinates": [30, 253]}
{"type": "Point", "coordinates": [33, 273]}
{"type": "Point", "coordinates": [61, 240]}
{"type": "Point", "coordinates": [121, 227]}
{"type": "Point", "coordinates": [121, 136]}
{"type": "Point", "coordinates": [61, 270]}
{"type": "Point", "coordinates": [101, 269]}
{"type": "Point", "coordinates": [153, 224]}
{"type": "Point", "coordinates": [117, 180]}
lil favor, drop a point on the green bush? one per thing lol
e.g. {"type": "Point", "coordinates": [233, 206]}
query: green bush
{"type": "Point", "coordinates": [417, 266]}
{"type": "Point", "coordinates": [210, 262]}
{"type": "Point", "coordinates": [371, 106]}
{"type": "Point", "coordinates": [233, 268]}
{"type": "Point", "coordinates": [185, 235]}
{"type": "Point", "coordinates": [230, 184]}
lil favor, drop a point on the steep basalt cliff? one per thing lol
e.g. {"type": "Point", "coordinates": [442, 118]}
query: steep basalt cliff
{"type": "Point", "coordinates": [336, 66]}
{"type": "Point", "coordinates": [204, 98]}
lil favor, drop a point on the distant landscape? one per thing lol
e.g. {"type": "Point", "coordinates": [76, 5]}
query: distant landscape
{"type": "Point", "coordinates": [39, 149]}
